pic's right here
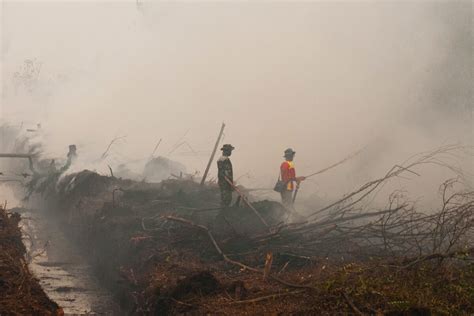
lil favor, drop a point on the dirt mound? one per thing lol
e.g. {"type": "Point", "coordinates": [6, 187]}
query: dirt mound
{"type": "Point", "coordinates": [85, 183]}
{"type": "Point", "coordinates": [20, 292]}
{"type": "Point", "coordinates": [201, 283]}
{"type": "Point", "coordinates": [236, 224]}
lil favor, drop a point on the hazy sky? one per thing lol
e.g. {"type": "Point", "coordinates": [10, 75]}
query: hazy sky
{"type": "Point", "coordinates": [325, 78]}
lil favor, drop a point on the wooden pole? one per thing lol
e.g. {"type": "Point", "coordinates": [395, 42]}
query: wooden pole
{"type": "Point", "coordinates": [296, 193]}
{"type": "Point", "coordinates": [213, 154]}
{"type": "Point", "coordinates": [27, 156]}
{"type": "Point", "coordinates": [2, 155]}
{"type": "Point", "coordinates": [154, 150]}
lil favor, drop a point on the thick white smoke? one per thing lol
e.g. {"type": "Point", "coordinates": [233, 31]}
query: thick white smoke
{"type": "Point", "coordinates": [324, 78]}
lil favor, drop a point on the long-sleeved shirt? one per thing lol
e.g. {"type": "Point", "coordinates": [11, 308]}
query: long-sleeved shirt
{"type": "Point", "coordinates": [224, 170]}
{"type": "Point", "coordinates": [288, 174]}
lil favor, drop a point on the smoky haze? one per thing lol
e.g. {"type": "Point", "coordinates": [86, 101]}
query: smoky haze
{"type": "Point", "coordinates": [323, 78]}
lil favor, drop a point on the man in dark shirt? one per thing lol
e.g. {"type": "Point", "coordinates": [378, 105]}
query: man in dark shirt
{"type": "Point", "coordinates": [225, 172]}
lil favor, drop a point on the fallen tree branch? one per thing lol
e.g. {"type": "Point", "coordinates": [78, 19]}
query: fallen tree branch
{"type": "Point", "coordinates": [104, 155]}
{"type": "Point", "coordinates": [452, 254]}
{"type": "Point", "coordinates": [111, 171]}
{"type": "Point", "coordinates": [246, 201]}
{"type": "Point", "coordinates": [267, 297]}
{"type": "Point", "coordinates": [369, 187]}
{"type": "Point", "coordinates": [334, 165]}
{"type": "Point", "coordinates": [351, 304]}
{"type": "Point", "coordinates": [227, 259]}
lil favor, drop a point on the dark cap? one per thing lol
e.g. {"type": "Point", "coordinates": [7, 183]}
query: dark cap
{"type": "Point", "coordinates": [227, 147]}
{"type": "Point", "coordinates": [289, 152]}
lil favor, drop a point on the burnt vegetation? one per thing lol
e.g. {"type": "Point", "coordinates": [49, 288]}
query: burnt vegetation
{"type": "Point", "coordinates": [168, 248]}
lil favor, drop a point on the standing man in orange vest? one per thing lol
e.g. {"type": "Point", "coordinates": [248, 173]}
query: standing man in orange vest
{"type": "Point", "coordinates": [288, 176]}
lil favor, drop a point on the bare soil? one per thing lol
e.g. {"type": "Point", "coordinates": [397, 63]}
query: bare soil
{"type": "Point", "coordinates": [20, 292]}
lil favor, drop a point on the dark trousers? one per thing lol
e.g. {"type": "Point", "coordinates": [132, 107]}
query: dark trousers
{"type": "Point", "coordinates": [226, 196]}
{"type": "Point", "coordinates": [287, 198]}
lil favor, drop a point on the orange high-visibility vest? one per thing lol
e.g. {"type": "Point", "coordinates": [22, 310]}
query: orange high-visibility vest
{"type": "Point", "coordinates": [288, 174]}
